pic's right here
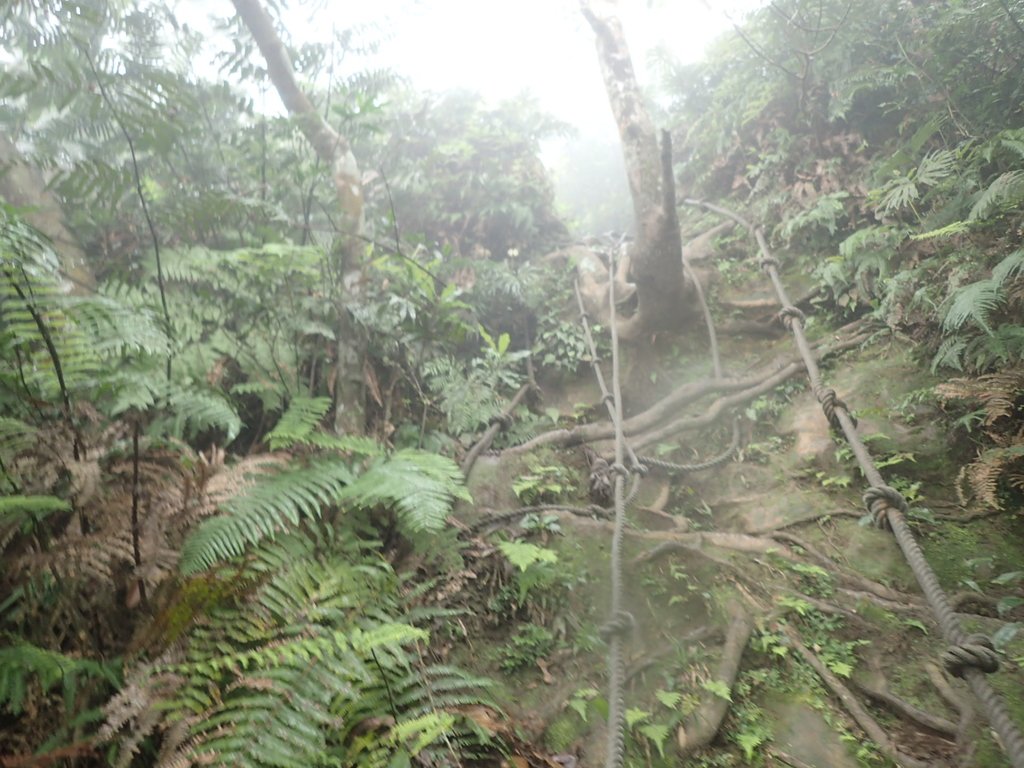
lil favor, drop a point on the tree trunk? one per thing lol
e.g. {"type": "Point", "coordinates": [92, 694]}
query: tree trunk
{"type": "Point", "coordinates": [656, 262]}
{"type": "Point", "coordinates": [335, 151]}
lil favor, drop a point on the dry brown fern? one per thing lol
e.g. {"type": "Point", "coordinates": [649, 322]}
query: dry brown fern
{"type": "Point", "coordinates": [133, 714]}
{"type": "Point", "coordinates": [1001, 397]}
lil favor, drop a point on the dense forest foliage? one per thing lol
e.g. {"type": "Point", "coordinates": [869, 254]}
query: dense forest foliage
{"type": "Point", "coordinates": [204, 561]}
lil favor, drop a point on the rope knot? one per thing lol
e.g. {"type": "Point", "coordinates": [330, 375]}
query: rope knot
{"type": "Point", "coordinates": [790, 314]}
{"type": "Point", "coordinates": [830, 403]}
{"type": "Point", "coordinates": [619, 469]}
{"type": "Point", "coordinates": [880, 499]}
{"type": "Point", "coordinates": [618, 626]}
{"type": "Point", "coordinates": [767, 262]}
{"type": "Point", "coordinates": [976, 652]}
{"type": "Point", "coordinates": [608, 398]}
{"type": "Point", "coordinates": [600, 479]}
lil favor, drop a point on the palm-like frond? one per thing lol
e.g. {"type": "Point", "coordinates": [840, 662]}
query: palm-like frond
{"type": "Point", "coordinates": [976, 303]}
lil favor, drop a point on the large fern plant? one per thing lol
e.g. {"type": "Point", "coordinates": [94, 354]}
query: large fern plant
{"type": "Point", "coordinates": [300, 655]}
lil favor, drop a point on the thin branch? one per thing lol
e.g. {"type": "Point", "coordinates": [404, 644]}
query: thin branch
{"type": "Point", "coordinates": [750, 44]}
{"type": "Point", "coordinates": [58, 368]}
{"type": "Point", "coordinates": [142, 199]}
{"type": "Point", "coordinates": [136, 494]}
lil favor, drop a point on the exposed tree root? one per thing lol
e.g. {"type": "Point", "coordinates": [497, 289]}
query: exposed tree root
{"type": "Point", "coordinates": [715, 410]}
{"type": "Point", "coordinates": [686, 542]}
{"type": "Point", "coordinates": [908, 711]}
{"type": "Point", "coordinates": [848, 578]}
{"type": "Point", "coordinates": [700, 728]}
{"type": "Point", "coordinates": [792, 762]}
{"type": "Point", "coordinates": [699, 635]}
{"type": "Point", "coordinates": [963, 706]}
{"type": "Point", "coordinates": [681, 397]}
{"type": "Point", "coordinates": [783, 525]}
{"type": "Point", "coordinates": [860, 715]}
{"type": "Point", "coordinates": [770, 304]}
{"type": "Point", "coordinates": [904, 605]}
{"type": "Point", "coordinates": [491, 432]}
{"type": "Point", "coordinates": [502, 518]}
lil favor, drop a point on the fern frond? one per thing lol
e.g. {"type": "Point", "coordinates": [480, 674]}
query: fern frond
{"type": "Point", "coordinates": [1005, 192]}
{"type": "Point", "coordinates": [1010, 266]}
{"type": "Point", "coordinates": [984, 473]}
{"type": "Point", "coordinates": [18, 511]}
{"type": "Point", "coordinates": [195, 410]}
{"type": "Point", "coordinates": [15, 437]}
{"type": "Point", "coordinates": [23, 665]}
{"type": "Point", "coordinates": [297, 424]}
{"type": "Point", "coordinates": [950, 230]}
{"type": "Point", "coordinates": [115, 328]}
{"type": "Point", "coordinates": [974, 302]}
{"type": "Point", "coordinates": [279, 501]}
{"type": "Point", "coordinates": [421, 486]}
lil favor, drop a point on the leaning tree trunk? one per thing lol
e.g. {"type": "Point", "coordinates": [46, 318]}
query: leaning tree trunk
{"type": "Point", "coordinates": [336, 152]}
{"type": "Point", "coordinates": [656, 261]}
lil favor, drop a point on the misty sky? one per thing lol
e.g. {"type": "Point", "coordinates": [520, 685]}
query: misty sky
{"type": "Point", "coordinates": [500, 48]}
{"type": "Point", "coordinates": [545, 46]}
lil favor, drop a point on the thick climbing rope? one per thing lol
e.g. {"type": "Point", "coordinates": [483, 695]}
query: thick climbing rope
{"type": "Point", "coordinates": [620, 622]}
{"type": "Point", "coordinates": [649, 462]}
{"type": "Point", "coordinates": [595, 363]}
{"type": "Point", "coordinates": [968, 656]}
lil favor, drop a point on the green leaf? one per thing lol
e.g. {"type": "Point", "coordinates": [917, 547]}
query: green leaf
{"type": "Point", "coordinates": [523, 554]}
{"type": "Point", "coordinates": [1009, 603]}
{"type": "Point", "coordinates": [1002, 636]}
{"type": "Point", "coordinates": [717, 687]}
{"type": "Point", "coordinates": [916, 624]}
{"type": "Point", "coordinates": [421, 486]}
{"type": "Point", "coordinates": [1010, 577]}
{"type": "Point", "coordinates": [749, 740]}
{"type": "Point", "coordinates": [841, 668]}
{"type": "Point", "coordinates": [297, 424]}
{"type": "Point", "coordinates": [635, 715]}
{"type": "Point", "coordinates": [669, 699]}
{"type": "Point", "coordinates": [657, 734]}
